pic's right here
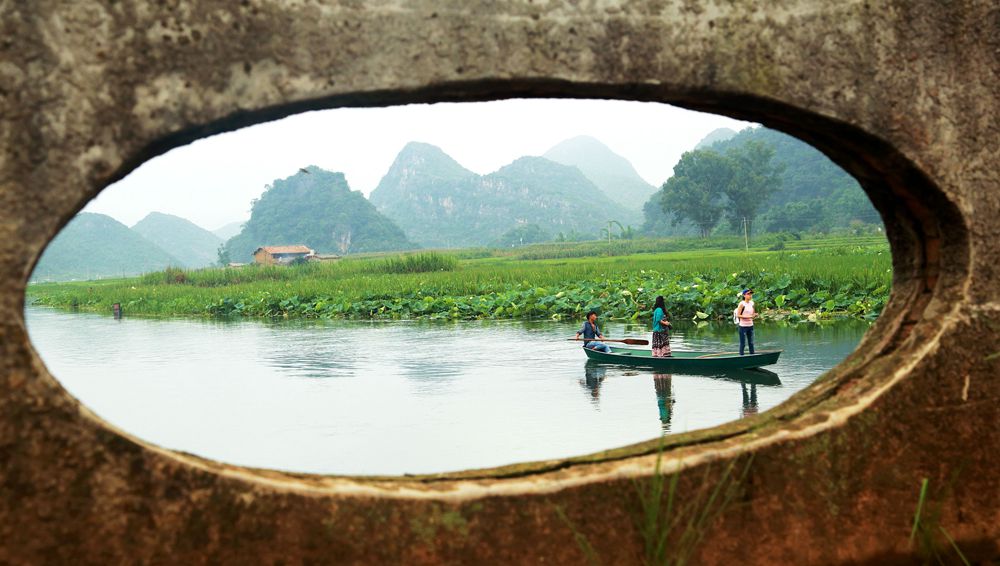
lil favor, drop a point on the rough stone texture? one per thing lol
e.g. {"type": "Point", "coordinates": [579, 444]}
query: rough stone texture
{"type": "Point", "coordinates": [902, 94]}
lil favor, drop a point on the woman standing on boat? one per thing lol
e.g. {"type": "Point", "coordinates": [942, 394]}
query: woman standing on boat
{"type": "Point", "coordinates": [745, 313]}
{"type": "Point", "coordinates": [661, 330]}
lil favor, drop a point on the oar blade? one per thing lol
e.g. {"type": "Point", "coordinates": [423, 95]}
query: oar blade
{"type": "Point", "coordinates": [636, 341]}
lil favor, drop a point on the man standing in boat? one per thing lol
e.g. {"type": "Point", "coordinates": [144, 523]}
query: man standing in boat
{"type": "Point", "coordinates": [591, 334]}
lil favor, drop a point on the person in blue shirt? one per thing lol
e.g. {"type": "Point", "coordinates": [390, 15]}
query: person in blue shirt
{"type": "Point", "coordinates": [661, 330]}
{"type": "Point", "coordinates": [591, 334]}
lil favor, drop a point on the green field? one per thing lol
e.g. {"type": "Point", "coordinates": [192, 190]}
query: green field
{"type": "Point", "coordinates": [807, 277]}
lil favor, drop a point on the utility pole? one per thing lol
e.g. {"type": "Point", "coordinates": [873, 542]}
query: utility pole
{"type": "Point", "coordinates": [620, 227]}
{"type": "Point", "coordinates": [746, 233]}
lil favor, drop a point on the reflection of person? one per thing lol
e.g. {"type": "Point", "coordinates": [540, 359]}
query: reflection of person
{"type": "Point", "coordinates": [593, 375]}
{"type": "Point", "coordinates": [749, 400]}
{"type": "Point", "coordinates": [591, 334]}
{"type": "Point", "coordinates": [745, 313]}
{"type": "Point", "coordinates": [661, 330]}
{"type": "Point", "coordinates": [664, 398]}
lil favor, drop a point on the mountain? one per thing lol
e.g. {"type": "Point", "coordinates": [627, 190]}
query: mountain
{"type": "Point", "coordinates": [316, 208]}
{"type": "Point", "coordinates": [613, 174]}
{"type": "Point", "coordinates": [229, 230]}
{"type": "Point", "coordinates": [717, 135]}
{"type": "Point", "coordinates": [95, 246]}
{"type": "Point", "coordinates": [191, 244]}
{"type": "Point", "coordinates": [438, 203]}
{"type": "Point", "coordinates": [429, 195]}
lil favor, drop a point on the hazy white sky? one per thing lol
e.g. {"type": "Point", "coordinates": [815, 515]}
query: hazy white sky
{"type": "Point", "coordinates": [212, 181]}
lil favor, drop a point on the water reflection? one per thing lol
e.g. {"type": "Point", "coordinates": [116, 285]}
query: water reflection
{"type": "Point", "coordinates": [319, 360]}
{"type": "Point", "coordinates": [337, 396]}
{"type": "Point", "coordinates": [749, 400]}
{"type": "Point", "coordinates": [595, 374]}
{"type": "Point", "coordinates": [663, 384]}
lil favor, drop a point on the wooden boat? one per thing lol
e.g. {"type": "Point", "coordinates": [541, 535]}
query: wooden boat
{"type": "Point", "coordinates": [685, 362]}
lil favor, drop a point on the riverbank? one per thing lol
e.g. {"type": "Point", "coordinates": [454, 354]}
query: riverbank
{"type": "Point", "coordinates": [823, 281]}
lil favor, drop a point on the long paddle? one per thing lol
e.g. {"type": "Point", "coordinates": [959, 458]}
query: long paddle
{"type": "Point", "coordinates": [632, 341]}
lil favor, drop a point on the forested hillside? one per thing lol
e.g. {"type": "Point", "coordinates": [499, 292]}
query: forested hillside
{"type": "Point", "coordinates": [318, 209]}
{"type": "Point", "coordinates": [717, 135]}
{"type": "Point", "coordinates": [809, 192]}
{"type": "Point", "coordinates": [95, 246]}
{"type": "Point", "coordinates": [191, 244]}
{"type": "Point", "coordinates": [613, 174]}
{"type": "Point", "coordinates": [438, 203]}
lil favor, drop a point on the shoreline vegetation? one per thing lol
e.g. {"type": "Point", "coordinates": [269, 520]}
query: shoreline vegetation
{"type": "Point", "coordinates": [796, 278]}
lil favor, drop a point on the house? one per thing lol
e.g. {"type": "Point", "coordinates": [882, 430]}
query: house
{"type": "Point", "coordinates": [280, 255]}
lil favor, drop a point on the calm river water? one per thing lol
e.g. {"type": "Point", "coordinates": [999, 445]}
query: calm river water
{"type": "Point", "coordinates": [348, 397]}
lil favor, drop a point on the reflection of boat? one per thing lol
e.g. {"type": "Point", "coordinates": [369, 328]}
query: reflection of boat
{"type": "Point", "coordinates": [685, 362]}
{"type": "Point", "coordinates": [752, 376]}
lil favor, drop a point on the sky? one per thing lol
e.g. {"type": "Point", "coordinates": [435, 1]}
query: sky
{"type": "Point", "coordinates": [212, 180]}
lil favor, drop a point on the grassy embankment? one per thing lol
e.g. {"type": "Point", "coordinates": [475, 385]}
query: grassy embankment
{"type": "Point", "coordinates": [819, 277]}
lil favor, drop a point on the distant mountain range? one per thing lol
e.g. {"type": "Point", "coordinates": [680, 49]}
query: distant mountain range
{"type": "Point", "coordinates": [439, 203]}
{"type": "Point", "coordinates": [194, 246]}
{"type": "Point", "coordinates": [612, 173]}
{"type": "Point", "coordinates": [94, 246]}
{"type": "Point", "coordinates": [717, 135]}
{"type": "Point", "coordinates": [428, 199]}
{"type": "Point", "coordinates": [318, 209]}
{"type": "Point", "coordinates": [229, 230]}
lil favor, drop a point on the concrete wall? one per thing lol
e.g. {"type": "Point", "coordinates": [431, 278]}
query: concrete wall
{"type": "Point", "coordinates": [902, 94]}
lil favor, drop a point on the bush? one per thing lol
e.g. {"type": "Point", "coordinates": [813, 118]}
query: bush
{"type": "Point", "coordinates": [415, 263]}
{"type": "Point", "coordinates": [169, 276]}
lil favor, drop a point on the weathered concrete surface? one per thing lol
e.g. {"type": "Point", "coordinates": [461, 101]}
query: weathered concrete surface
{"type": "Point", "coordinates": [903, 94]}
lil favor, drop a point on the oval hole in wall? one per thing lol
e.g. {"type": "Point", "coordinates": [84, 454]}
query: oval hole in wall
{"type": "Point", "coordinates": [438, 257]}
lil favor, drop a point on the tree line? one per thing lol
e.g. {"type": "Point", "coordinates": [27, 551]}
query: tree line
{"type": "Point", "coordinates": [708, 186]}
{"type": "Point", "coordinates": [763, 177]}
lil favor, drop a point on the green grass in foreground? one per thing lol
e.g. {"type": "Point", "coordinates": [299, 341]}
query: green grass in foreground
{"type": "Point", "coordinates": [471, 284]}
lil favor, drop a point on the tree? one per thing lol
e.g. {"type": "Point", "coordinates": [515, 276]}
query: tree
{"type": "Point", "coordinates": [606, 232]}
{"type": "Point", "coordinates": [696, 189]}
{"type": "Point", "coordinates": [522, 234]}
{"type": "Point", "coordinates": [753, 181]}
{"type": "Point", "coordinates": [851, 203]}
{"type": "Point", "coordinates": [224, 259]}
{"type": "Point", "coordinates": [794, 216]}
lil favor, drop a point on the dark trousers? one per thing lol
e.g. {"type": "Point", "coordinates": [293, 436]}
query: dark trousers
{"type": "Point", "coordinates": [746, 336]}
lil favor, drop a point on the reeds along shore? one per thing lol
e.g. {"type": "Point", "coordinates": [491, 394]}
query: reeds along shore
{"type": "Point", "coordinates": [809, 278]}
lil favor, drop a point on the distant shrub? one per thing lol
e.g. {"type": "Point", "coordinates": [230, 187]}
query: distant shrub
{"type": "Point", "coordinates": [169, 276]}
{"type": "Point", "coordinates": [415, 263]}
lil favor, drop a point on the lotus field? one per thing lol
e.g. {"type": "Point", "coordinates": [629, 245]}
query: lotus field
{"type": "Point", "coordinates": [812, 279]}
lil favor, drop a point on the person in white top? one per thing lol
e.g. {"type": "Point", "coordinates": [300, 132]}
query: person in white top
{"type": "Point", "coordinates": [746, 313]}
